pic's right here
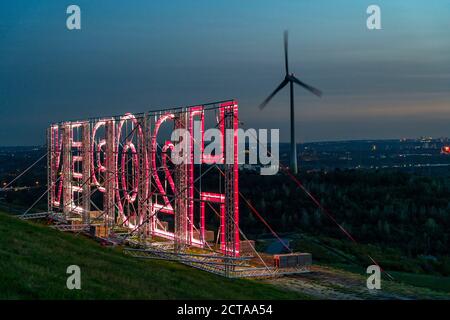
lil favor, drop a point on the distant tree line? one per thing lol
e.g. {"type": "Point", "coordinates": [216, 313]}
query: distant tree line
{"type": "Point", "coordinates": [401, 210]}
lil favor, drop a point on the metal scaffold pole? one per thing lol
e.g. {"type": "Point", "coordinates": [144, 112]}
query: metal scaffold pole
{"type": "Point", "coordinates": [231, 219]}
{"type": "Point", "coordinates": [181, 196]}
{"type": "Point", "coordinates": [49, 171]}
{"type": "Point", "coordinates": [110, 182]}
{"type": "Point", "coordinates": [67, 170]}
{"type": "Point", "coordinates": [86, 167]}
{"type": "Point", "coordinates": [143, 207]}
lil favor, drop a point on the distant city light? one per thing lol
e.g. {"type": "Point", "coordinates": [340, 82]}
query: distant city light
{"type": "Point", "coordinates": [445, 150]}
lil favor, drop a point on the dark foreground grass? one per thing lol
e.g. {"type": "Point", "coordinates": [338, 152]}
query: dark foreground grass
{"type": "Point", "coordinates": [34, 259]}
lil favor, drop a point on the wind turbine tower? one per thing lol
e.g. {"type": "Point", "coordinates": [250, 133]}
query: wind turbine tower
{"type": "Point", "coordinates": [290, 79]}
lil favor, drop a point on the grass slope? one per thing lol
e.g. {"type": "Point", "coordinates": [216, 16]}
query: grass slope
{"type": "Point", "coordinates": [34, 259]}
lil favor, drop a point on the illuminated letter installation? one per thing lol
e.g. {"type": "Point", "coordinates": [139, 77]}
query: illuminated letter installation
{"type": "Point", "coordinates": [118, 172]}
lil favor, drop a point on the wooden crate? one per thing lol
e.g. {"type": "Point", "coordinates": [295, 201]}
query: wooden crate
{"type": "Point", "coordinates": [95, 214]}
{"type": "Point", "coordinates": [75, 222]}
{"type": "Point", "coordinates": [209, 235]}
{"type": "Point", "coordinates": [99, 231]}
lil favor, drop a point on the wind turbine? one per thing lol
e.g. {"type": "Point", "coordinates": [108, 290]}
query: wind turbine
{"type": "Point", "coordinates": [290, 79]}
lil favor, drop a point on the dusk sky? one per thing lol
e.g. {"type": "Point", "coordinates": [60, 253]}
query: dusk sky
{"type": "Point", "coordinates": [133, 56]}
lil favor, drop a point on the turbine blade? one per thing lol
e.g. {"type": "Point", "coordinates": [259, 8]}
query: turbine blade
{"type": "Point", "coordinates": [286, 62]}
{"type": "Point", "coordinates": [311, 89]}
{"type": "Point", "coordinates": [281, 85]}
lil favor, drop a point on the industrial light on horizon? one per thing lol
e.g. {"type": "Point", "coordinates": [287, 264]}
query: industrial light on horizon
{"type": "Point", "coordinates": [445, 150]}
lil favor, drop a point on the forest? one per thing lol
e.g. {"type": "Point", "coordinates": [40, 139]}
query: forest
{"type": "Point", "coordinates": [390, 209]}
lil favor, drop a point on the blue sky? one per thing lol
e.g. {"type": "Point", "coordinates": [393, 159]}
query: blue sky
{"type": "Point", "coordinates": [142, 55]}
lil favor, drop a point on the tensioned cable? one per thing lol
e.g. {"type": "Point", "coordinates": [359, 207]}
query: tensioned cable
{"type": "Point", "coordinates": [258, 215]}
{"type": "Point", "coordinates": [240, 230]}
{"type": "Point", "coordinates": [48, 189]}
{"type": "Point", "coordinates": [26, 170]}
{"type": "Point", "coordinates": [87, 180]}
{"type": "Point", "coordinates": [319, 205]}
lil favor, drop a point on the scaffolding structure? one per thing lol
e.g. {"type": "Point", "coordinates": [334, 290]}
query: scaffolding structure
{"type": "Point", "coordinates": [117, 179]}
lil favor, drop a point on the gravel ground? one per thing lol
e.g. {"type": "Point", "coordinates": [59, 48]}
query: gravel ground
{"type": "Point", "coordinates": [330, 283]}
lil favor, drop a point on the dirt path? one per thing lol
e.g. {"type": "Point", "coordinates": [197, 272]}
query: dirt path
{"type": "Point", "coordinates": [329, 283]}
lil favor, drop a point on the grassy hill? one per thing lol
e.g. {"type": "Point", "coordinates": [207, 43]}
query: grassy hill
{"type": "Point", "coordinates": [34, 259]}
